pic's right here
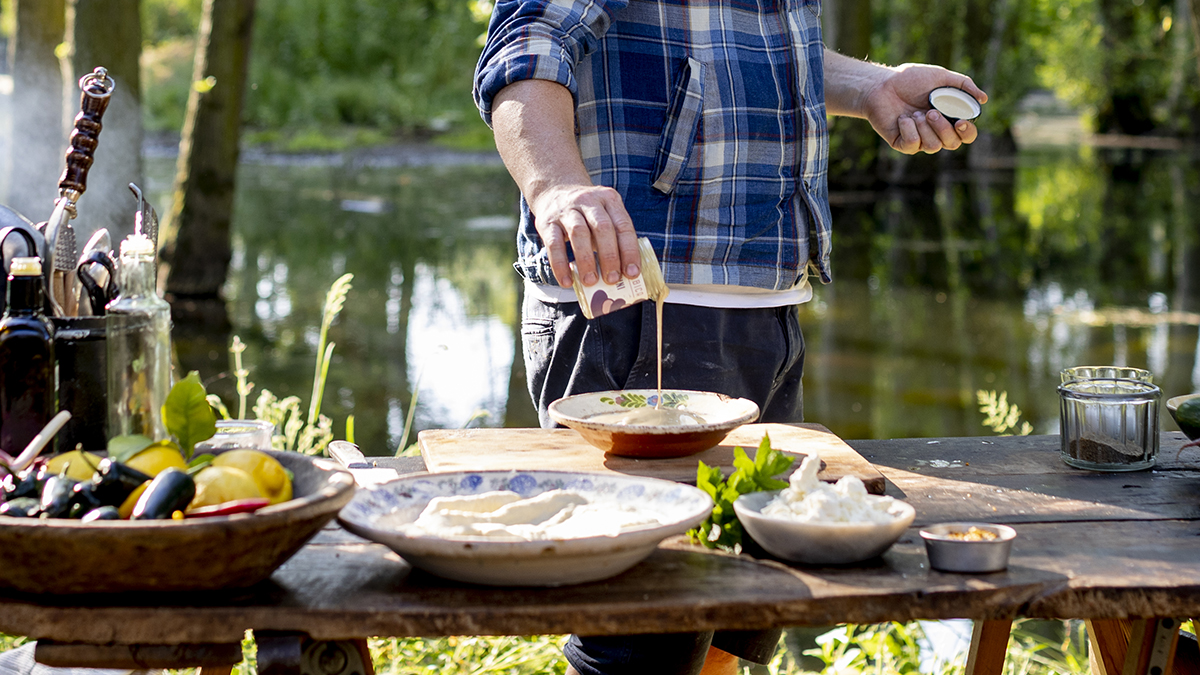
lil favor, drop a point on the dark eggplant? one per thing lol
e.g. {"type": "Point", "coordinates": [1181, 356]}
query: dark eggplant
{"type": "Point", "coordinates": [170, 491]}
{"type": "Point", "coordinates": [102, 513]}
{"type": "Point", "coordinates": [21, 507]}
{"type": "Point", "coordinates": [29, 485]}
{"type": "Point", "coordinates": [83, 500]}
{"type": "Point", "coordinates": [56, 496]}
{"type": "Point", "coordinates": [113, 482]}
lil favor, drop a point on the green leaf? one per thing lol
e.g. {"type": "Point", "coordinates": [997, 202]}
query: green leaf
{"type": "Point", "coordinates": [200, 463]}
{"type": "Point", "coordinates": [722, 528]}
{"type": "Point", "coordinates": [122, 448]}
{"type": "Point", "coordinates": [187, 414]}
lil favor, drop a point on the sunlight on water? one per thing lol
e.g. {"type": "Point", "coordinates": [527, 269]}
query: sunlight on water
{"type": "Point", "coordinates": [463, 361]}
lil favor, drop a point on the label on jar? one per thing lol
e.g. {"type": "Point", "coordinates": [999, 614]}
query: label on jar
{"type": "Point", "coordinates": [602, 297]}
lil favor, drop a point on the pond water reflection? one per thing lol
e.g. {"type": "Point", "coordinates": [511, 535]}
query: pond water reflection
{"type": "Point", "coordinates": [985, 279]}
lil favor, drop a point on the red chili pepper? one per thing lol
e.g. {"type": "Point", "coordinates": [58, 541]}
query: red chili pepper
{"type": "Point", "coordinates": [229, 508]}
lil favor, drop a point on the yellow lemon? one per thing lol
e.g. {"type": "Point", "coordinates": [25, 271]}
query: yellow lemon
{"type": "Point", "coordinates": [80, 465]}
{"type": "Point", "coordinates": [126, 508]}
{"type": "Point", "coordinates": [220, 484]}
{"type": "Point", "coordinates": [270, 475]}
{"type": "Point", "coordinates": [154, 459]}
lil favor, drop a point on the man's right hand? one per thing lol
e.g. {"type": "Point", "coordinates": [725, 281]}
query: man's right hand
{"type": "Point", "coordinates": [534, 124]}
{"type": "Point", "coordinates": [591, 218]}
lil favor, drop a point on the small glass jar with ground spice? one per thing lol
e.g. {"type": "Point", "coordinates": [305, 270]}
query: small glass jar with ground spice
{"type": "Point", "coordinates": [1109, 424]}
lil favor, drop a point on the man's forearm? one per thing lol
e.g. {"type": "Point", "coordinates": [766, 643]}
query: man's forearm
{"type": "Point", "coordinates": [534, 123]}
{"type": "Point", "coordinates": [847, 83]}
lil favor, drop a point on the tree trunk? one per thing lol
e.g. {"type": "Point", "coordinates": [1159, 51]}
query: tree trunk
{"type": "Point", "coordinates": [1125, 109]}
{"type": "Point", "coordinates": [853, 21]}
{"type": "Point", "coordinates": [37, 146]}
{"type": "Point", "coordinates": [196, 245]}
{"type": "Point", "coordinates": [109, 33]}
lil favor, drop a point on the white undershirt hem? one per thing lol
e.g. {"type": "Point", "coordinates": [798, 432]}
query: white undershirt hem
{"type": "Point", "coordinates": [699, 295]}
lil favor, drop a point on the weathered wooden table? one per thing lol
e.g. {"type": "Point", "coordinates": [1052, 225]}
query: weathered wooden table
{"type": "Point", "coordinates": [1101, 547]}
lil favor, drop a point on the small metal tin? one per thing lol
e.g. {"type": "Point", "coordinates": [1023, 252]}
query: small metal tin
{"type": "Point", "coordinates": [950, 554]}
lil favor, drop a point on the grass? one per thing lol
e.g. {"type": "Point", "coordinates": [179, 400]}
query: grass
{"type": "Point", "coordinates": [1036, 648]}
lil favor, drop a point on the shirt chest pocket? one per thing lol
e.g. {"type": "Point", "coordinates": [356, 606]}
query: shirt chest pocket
{"type": "Point", "coordinates": [678, 139]}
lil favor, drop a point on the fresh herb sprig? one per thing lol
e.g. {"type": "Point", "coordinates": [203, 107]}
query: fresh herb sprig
{"type": "Point", "coordinates": [722, 529]}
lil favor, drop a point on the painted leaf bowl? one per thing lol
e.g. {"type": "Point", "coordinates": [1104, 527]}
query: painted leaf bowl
{"type": "Point", "coordinates": [381, 512]}
{"type": "Point", "coordinates": [712, 416]}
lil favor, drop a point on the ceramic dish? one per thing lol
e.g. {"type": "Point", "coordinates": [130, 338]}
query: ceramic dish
{"type": "Point", "coordinates": [720, 414]}
{"type": "Point", "coordinates": [109, 556]}
{"type": "Point", "coordinates": [950, 551]}
{"type": "Point", "coordinates": [820, 543]}
{"type": "Point", "coordinates": [1192, 432]}
{"type": "Point", "coordinates": [554, 562]}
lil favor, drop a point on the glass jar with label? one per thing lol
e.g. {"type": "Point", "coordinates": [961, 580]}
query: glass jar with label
{"type": "Point", "coordinates": [602, 297]}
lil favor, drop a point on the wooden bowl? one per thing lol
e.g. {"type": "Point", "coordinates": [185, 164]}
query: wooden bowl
{"type": "Point", "coordinates": [719, 413]}
{"type": "Point", "coordinates": [202, 554]}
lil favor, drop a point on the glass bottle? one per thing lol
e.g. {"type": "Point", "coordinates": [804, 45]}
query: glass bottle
{"type": "Point", "coordinates": [138, 323]}
{"type": "Point", "coordinates": [27, 380]}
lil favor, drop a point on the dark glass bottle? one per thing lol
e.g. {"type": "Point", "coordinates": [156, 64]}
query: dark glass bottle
{"type": "Point", "coordinates": [27, 380]}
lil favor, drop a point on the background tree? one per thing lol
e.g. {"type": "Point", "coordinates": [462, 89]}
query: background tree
{"type": "Point", "coordinates": [37, 148]}
{"type": "Point", "coordinates": [196, 245]}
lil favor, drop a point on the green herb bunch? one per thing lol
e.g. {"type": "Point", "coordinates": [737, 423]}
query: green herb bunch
{"type": "Point", "coordinates": [722, 529]}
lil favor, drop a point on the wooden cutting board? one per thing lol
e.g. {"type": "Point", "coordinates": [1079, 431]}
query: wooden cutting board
{"type": "Point", "coordinates": [565, 450]}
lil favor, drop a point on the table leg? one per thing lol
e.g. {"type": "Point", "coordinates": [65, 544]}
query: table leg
{"type": "Point", "coordinates": [989, 646]}
{"type": "Point", "coordinates": [1133, 646]}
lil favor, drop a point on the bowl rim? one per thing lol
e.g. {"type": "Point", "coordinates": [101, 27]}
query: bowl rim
{"type": "Point", "coordinates": [482, 546]}
{"type": "Point", "coordinates": [938, 532]}
{"type": "Point", "coordinates": [1174, 402]}
{"type": "Point", "coordinates": [339, 485]}
{"type": "Point", "coordinates": [754, 512]}
{"type": "Point", "coordinates": [749, 411]}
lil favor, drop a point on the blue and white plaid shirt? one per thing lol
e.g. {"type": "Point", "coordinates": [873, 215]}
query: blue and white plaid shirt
{"type": "Point", "coordinates": [707, 116]}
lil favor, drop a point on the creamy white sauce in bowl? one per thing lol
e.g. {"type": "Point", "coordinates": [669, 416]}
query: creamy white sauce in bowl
{"type": "Point", "coordinates": [524, 528]}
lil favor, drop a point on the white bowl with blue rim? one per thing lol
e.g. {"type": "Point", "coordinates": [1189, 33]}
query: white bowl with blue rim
{"type": "Point", "coordinates": [381, 513]}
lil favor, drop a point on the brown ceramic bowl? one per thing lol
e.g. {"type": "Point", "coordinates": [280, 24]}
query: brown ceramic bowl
{"type": "Point", "coordinates": [202, 554]}
{"type": "Point", "coordinates": [711, 417]}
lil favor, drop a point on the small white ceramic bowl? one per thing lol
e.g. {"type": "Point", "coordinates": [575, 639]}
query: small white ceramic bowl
{"type": "Point", "coordinates": [721, 414]}
{"type": "Point", "coordinates": [820, 543]}
{"type": "Point", "coordinates": [555, 562]}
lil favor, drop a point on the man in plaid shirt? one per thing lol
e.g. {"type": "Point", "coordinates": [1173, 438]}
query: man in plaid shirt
{"type": "Point", "coordinates": [701, 125]}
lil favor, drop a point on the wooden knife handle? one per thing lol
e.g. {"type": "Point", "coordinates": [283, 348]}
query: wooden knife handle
{"type": "Point", "coordinates": [97, 88]}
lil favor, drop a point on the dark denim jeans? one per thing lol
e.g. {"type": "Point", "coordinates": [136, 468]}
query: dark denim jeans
{"type": "Point", "coordinates": [756, 354]}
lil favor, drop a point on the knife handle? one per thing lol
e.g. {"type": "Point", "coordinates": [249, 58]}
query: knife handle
{"type": "Point", "coordinates": [97, 88]}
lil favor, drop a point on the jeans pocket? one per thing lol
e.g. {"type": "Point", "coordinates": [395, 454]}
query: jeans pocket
{"type": "Point", "coordinates": [679, 132]}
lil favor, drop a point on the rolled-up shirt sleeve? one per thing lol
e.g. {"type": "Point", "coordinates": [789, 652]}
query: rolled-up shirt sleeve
{"type": "Point", "coordinates": [538, 40]}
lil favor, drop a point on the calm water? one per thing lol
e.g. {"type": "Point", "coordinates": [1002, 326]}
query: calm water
{"type": "Point", "coordinates": [972, 280]}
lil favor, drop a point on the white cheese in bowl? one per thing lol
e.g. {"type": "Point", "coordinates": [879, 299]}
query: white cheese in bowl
{"type": "Point", "coordinates": [810, 500]}
{"type": "Point", "coordinates": [505, 515]}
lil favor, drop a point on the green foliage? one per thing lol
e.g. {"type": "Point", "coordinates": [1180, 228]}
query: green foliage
{"type": "Point", "coordinates": [187, 414]}
{"type": "Point", "coordinates": [722, 529]}
{"type": "Point", "coordinates": [473, 655]}
{"type": "Point", "coordinates": [362, 62]}
{"type": "Point", "coordinates": [879, 649]}
{"type": "Point", "coordinates": [1000, 416]}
